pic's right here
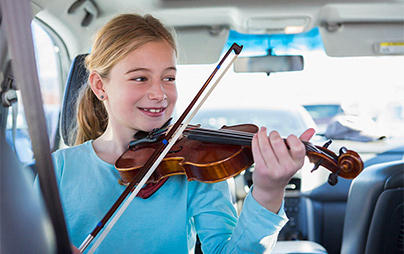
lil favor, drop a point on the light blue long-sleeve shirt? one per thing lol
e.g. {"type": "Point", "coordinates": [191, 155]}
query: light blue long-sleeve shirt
{"type": "Point", "coordinates": [167, 221]}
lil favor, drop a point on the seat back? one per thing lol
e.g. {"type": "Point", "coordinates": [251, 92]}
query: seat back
{"type": "Point", "coordinates": [325, 212]}
{"type": "Point", "coordinates": [374, 219]}
{"type": "Point", "coordinates": [77, 78]}
{"type": "Point", "coordinates": [24, 222]}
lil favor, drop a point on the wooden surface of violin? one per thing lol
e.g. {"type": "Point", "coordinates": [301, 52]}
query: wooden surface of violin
{"type": "Point", "coordinates": [199, 160]}
{"type": "Point", "coordinates": [216, 155]}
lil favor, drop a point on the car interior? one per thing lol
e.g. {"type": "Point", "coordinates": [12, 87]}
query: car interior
{"type": "Point", "coordinates": [43, 44]}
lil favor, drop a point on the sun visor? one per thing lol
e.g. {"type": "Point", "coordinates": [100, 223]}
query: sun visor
{"type": "Point", "coordinates": [377, 30]}
{"type": "Point", "coordinates": [351, 39]}
{"type": "Point", "coordinates": [200, 44]}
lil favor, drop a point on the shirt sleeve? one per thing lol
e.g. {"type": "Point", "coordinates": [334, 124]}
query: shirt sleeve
{"type": "Point", "coordinates": [219, 229]}
{"type": "Point", "coordinates": [258, 228]}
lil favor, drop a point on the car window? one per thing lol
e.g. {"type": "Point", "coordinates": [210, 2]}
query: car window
{"type": "Point", "coordinates": [51, 78]}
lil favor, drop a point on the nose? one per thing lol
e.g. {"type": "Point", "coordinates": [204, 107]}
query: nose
{"type": "Point", "coordinates": [157, 92]}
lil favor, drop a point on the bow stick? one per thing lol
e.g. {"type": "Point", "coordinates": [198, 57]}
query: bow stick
{"type": "Point", "coordinates": [150, 166]}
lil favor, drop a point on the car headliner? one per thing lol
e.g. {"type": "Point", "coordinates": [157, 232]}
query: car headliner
{"type": "Point", "coordinates": [206, 24]}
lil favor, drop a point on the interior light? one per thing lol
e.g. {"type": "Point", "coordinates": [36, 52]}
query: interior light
{"type": "Point", "coordinates": [272, 25]}
{"type": "Point", "coordinates": [294, 29]}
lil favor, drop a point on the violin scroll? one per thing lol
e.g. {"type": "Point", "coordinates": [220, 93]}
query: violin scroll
{"type": "Point", "coordinates": [347, 164]}
{"type": "Point", "coordinates": [350, 164]}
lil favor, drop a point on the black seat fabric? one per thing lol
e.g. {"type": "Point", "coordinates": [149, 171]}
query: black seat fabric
{"type": "Point", "coordinates": [24, 222]}
{"type": "Point", "coordinates": [326, 206]}
{"type": "Point", "coordinates": [77, 78]}
{"type": "Point", "coordinates": [374, 219]}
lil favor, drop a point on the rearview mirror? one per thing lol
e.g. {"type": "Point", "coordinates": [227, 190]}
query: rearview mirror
{"type": "Point", "coordinates": [268, 64]}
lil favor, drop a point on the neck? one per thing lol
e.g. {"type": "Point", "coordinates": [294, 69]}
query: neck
{"type": "Point", "coordinates": [112, 144]}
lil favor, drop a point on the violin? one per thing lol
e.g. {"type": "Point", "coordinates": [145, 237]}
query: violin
{"type": "Point", "coordinates": [215, 155]}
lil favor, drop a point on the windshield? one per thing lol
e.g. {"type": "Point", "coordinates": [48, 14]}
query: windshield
{"type": "Point", "coordinates": [367, 87]}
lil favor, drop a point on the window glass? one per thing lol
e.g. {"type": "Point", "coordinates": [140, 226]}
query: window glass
{"type": "Point", "coordinates": [49, 74]}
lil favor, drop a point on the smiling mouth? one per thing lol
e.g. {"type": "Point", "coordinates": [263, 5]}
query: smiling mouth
{"type": "Point", "coordinates": [153, 110]}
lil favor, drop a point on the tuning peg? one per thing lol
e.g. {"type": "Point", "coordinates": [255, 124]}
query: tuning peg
{"type": "Point", "coordinates": [327, 144]}
{"type": "Point", "coordinates": [333, 179]}
{"type": "Point", "coordinates": [317, 164]}
{"type": "Point", "coordinates": [342, 150]}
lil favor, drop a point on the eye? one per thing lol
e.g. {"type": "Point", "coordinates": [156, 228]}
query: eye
{"type": "Point", "coordinates": [139, 79]}
{"type": "Point", "coordinates": [169, 79]}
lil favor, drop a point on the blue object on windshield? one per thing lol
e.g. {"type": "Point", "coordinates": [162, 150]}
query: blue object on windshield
{"type": "Point", "coordinates": [261, 44]}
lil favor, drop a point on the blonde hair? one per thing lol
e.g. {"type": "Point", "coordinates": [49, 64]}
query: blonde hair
{"type": "Point", "coordinates": [113, 42]}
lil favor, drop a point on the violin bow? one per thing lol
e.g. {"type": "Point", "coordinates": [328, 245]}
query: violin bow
{"type": "Point", "coordinates": [150, 166]}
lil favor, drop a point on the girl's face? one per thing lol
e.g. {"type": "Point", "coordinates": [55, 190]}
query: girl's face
{"type": "Point", "coordinates": [141, 91]}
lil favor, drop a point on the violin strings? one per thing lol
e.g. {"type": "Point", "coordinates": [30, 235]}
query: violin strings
{"type": "Point", "coordinates": [223, 133]}
{"type": "Point", "coordinates": [222, 138]}
{"type": "Point", "coordinates": [246, 136]}
{"type": "Point", "coordinates": [312, 148]}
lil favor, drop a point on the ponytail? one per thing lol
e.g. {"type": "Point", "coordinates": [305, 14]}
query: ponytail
{"type": "Point", "coordinates": [92, 118]}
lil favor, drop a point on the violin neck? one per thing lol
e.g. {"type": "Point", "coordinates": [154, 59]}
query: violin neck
{"type": "Point", "coordinates": [228, 140]}
{"type": "Point", "coordinates": [230, 137]}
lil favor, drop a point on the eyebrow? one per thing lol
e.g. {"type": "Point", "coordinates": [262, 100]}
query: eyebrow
{"type": "Point", "coordinates": [145, 69]}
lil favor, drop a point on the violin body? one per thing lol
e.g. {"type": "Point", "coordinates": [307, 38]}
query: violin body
{"type": "Point", "coordinates": [199, 160]}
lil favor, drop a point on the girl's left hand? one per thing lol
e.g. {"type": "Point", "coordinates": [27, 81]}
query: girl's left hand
{"type": "Point", "coordinates": [275, 164]}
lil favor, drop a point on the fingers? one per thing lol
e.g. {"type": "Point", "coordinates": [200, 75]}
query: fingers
{"type": "Point", "coordinates": [257, 156]}
{"type": "Point", "coordinates": [265, 148]}
{"type": "Point", "coordinates": [273, 150]}
{"type": "Point", "coordinates": [297, 148]}
{"type": "Point", "coordinates": [279, 147]}
{"type": "Point", "coordinates": [307, 135]}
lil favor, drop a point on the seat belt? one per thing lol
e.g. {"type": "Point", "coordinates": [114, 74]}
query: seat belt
{"type": "Point", "coordinates": [16, 19]}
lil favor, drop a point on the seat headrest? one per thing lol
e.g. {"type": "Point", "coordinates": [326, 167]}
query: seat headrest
{"type": "Point", "coordinates": [76, 79]}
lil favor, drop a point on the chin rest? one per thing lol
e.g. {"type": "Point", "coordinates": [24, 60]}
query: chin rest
{"type": "Point", "coordinates": [289, 247]}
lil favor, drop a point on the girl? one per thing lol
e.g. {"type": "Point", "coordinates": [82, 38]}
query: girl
{"type": "Point", "coordinates": [131, 87]}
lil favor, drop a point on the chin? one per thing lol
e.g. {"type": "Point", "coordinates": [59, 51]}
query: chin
{"type": "Point", "coordinates": [151, 127]}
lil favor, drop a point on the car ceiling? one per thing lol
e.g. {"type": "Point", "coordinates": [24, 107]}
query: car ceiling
{"type": "Point", "coordinates": [348, 28]}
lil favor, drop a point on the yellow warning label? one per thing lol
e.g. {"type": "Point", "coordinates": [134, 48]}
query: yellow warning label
{"type": "Point", "coordinates": [391, 48]}
{"type": "Point", "coordinates": [392, 43]}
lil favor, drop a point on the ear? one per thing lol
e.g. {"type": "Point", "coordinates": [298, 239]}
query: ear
{"type": "Point", "coordinates": [97, 85]}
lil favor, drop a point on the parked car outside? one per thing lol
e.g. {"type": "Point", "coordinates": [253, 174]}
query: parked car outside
{"type": "Point", "coordinates": [323, 113]}
{"type": "Point", "coordinates": [284, 119]}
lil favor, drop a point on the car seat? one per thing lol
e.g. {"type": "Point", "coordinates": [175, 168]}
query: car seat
{"type": "Point", "coordinates": [325, 212]}
{"type": "Point", "coordinates": [374, 219]}
{"type": "Point", "coordinates": [76, 79]}
{"type": "Point", "coordinates": [24, 223]}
